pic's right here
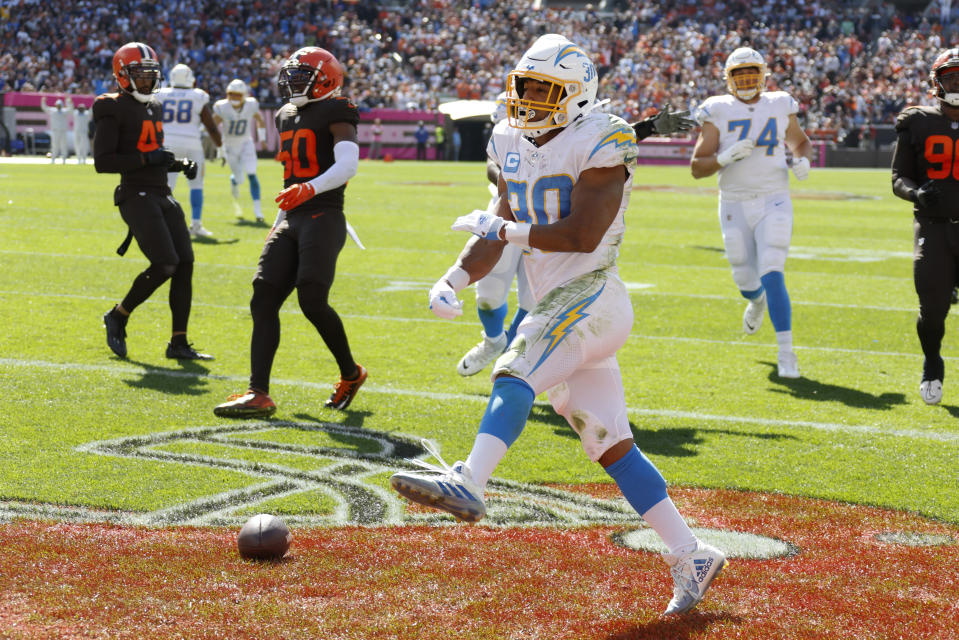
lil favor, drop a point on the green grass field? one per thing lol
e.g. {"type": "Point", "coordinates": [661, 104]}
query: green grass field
{"type": "Point", "coordinates": [86, 437]}
{"type": "Point", "coordinates": [704, 399]}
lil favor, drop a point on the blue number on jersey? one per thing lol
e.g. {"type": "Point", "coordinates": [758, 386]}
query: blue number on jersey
{"type": "Point", "coordinates": [744, 124]}
{"type": "Point", "coordinates": [182, 110]}
{"type": "Point", "coordinates": [563, 186]}
{"type": "Point", "coordinates": [237, 128]}
{"type": "Point", "coordinates": [768, 137]}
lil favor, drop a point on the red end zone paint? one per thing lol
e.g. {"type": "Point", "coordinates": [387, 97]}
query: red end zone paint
{"type": "Point", "coordinates": [66, 580]}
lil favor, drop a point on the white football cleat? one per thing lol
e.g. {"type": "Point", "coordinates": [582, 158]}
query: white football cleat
{"type": "Point", "coordinates": [480, 356]}
{"type": "Point", "coordinates": [693, 572]}
{"type": "Point", "coordinates": [788, 365]}
{"type": "Point", "coordinates": [443, 487]}
{"type": "Point", "coordinates": [197, 231]}
{"type": "Point", "coordinates": [753, 316]}
{"type": "Point", "coordinates": [931, 391]}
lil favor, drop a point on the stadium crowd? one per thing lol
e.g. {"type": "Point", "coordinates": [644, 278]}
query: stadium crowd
{"type": "Point", "coordinates": [847, 63]}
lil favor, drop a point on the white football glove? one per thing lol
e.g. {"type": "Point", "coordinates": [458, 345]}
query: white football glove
{"type": "Point", "coordinates": [736, 152]}
{"type": "Point", "coordinates": [481, 223]}
{"type": "Point", "coordinates": [443, 301]}
{"type": "Point", "coordinates": [801, 168]}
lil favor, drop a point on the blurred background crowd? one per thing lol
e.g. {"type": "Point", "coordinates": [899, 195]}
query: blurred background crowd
{"type": "Point", "coordinates": [849, 63]}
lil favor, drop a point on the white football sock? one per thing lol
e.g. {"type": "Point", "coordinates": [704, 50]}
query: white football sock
{"type": "Point", "coordinates": [487, 452]}
{"type": "Point", "coordinates": [665, 519]}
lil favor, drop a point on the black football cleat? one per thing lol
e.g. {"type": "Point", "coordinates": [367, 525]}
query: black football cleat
{"type": "Point", "coordinates": [116, 333]}
{"type": "Point", "coordinates": [185, 352]}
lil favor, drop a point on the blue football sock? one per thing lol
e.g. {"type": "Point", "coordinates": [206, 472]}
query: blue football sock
{"type": "Point", "coordinates": [777, 299]}
{"type": "Point", "coordinates": [254, 186]}
{"type": "Point", "coordinates": [196, 203]}
{"type": "Point", "coordinates": [752, 295]}
{"type": "Point", "coordinates": [492, 320]}
{"type": "Point", "coordinates": [517, 319]}
{"type": "Point", "coordinates": [509, 405]}
{"type": "Point", "coordinates": [642, 484]}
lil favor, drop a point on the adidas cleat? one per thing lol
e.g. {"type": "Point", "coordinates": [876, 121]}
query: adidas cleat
{"type": "Point", "coordinates": [450, 489]}
{"type": "Point", "coordinates": [753, 316]}
{"type": "Point", "coordinates": [480, 356]}
{"type": "Point", "coordinates": [692, 573]}
{"type": "Point", "coordinates": [116, 326]}
{"type": "Point", "coordinates": [346, 390]}
{"type": "Point", "coordinates": [252, 404]}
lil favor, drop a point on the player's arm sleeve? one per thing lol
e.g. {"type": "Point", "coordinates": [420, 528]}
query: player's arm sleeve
{"type": "Point", "coordinates": [106, 139]}
{"type": "Point", "coordinates": [904, 183]}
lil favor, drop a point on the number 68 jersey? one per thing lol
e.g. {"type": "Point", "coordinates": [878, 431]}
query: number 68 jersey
{"type": "Point", "coordinates": [539, 181]}
{"type": "Point", "coordinates": [764, 122]}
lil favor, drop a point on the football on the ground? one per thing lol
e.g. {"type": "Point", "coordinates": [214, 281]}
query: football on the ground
{"type": "Point", "coordinates": [263, 537]}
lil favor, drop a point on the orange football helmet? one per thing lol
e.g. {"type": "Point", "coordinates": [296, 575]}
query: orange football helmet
{"type": "Point", "coordinates": [137, 70]}
{"type": "Point", "coordinates": [312, 73]}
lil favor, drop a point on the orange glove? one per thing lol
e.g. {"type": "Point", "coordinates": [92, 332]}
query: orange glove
{"type": "Point", "coordinates": [293, 196]}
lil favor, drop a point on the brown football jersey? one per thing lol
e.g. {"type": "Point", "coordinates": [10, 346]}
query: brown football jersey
{"type": "Point", "coordinates": [928, 149]}
{"type": "Point", "coordinates": [126, 129]}
{"type": "Point", "coordinates": [306, 147]}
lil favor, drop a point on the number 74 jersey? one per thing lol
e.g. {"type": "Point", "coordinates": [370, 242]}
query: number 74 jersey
{"type": "Point", "coordinates": [764, 122]}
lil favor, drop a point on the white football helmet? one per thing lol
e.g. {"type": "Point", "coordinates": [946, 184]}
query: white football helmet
{"type": "Point", "coordinates": [573, 83]}
{"type": "Point", "coordinates": [745, 86]}
{"type": "Point", "coordinates": [236, 92]}
{"type": "Point", "coordinates": [181, 77]}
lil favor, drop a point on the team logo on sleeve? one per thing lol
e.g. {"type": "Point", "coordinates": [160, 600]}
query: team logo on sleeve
{"type": "Point", "coordinates": [624, 137]}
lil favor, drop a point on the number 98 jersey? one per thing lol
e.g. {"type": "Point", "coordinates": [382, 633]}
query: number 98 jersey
{"type": "Point", "coordinates": [540, 180]}
{"type": "Point", "coordinates": [927, 148]}
{"type": "Point", "coordinates": [306, 147]}
{"type": "Point", "coordinates": [765, 123]}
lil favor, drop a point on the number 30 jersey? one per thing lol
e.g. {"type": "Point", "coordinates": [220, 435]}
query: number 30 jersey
{"type": "Point", "coordinates": [306, 146]}
{"type": "Point", "coordinates": [237, 124]}
{"type": "Point", "coordinates": [539, 181]}
{"type": "Point", "coordinates": [764, 122]}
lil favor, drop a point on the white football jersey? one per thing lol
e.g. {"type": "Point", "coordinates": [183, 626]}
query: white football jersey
{"type": "Point", "coordinates": [765, 122]}
{"type": "Point", "coordinates": [539, 182]}
{"type": "Point", "coordinates": [237, 126]}
{"type": "Point", "coordinates": [181, 111]}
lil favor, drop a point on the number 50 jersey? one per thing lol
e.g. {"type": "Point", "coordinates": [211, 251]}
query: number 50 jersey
{"type": "Point", "coordinates": [765, 123]}
{"type": "Point", "coordinates": [539, 181]}
{"type": "Point", "coordinates": [306, 147]}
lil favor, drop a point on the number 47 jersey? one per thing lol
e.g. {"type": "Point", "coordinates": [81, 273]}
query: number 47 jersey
{"type": "Point", "coordinates": [764, 122]}
{"type": "Point", "coordinates": [540, 180]}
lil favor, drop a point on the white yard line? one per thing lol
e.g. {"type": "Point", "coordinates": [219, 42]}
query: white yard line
{"type": "Point", "coordinates": [706, 418]}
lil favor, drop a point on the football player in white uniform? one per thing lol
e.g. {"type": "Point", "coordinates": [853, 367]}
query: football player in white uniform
{"type": "Point", "coordinates": [564, 186]}
{"type": "Point", "coordinates": [237, 114]}
{"type": "Point", "coordinates": [492, 289]}
{"type": "Point", "coordinates": [185, 108]}
{"type": "Point", "coordinates": [744, 136]}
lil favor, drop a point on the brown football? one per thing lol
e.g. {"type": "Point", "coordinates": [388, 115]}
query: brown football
{"type": "Point", "coordinates": [263, 537]}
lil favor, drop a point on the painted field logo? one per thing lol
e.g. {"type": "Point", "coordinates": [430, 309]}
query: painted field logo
{"type": "Point", "coordinates": [314, 474]}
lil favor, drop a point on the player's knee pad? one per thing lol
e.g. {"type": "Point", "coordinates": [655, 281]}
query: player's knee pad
{"type": "Point", "coordinates": [594, 434]}
{"type": "Point", "coordinates": [314, 299]}
{"type": "Point", "coordinates": [161, 271]}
